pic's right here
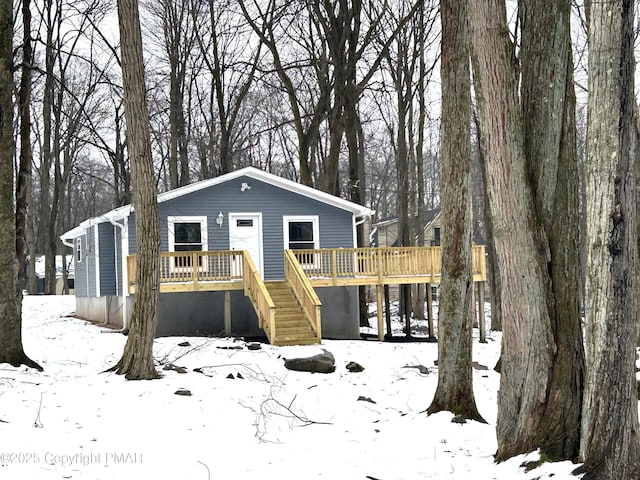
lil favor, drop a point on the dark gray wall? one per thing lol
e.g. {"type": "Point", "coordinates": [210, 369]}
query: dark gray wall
{"type": "Point", "coordinates": [202, 313]}
{"type": "Point", "coordinates": [335, 225]}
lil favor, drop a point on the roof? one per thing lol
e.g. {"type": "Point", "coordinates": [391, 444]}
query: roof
{"type": "Point", "coordinates": [251, 172]}
{"type": "Point", "coordinates": [429, 216]}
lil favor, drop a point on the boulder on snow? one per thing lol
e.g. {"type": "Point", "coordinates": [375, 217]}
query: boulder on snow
{"type": "Point", "coordinates": [321, 363]}
{"type": "Point", "coordinates": [355, 367]}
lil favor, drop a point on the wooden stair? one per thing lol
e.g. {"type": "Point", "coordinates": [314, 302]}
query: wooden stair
{"type": "Point", "coordinates": [291, 324]}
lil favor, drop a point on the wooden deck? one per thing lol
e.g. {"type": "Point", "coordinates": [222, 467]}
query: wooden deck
{"type": "Point", "coordinates": [284, 322]}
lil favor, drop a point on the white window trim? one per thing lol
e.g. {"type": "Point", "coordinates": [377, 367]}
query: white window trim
{"type": "Point", "coordinates": [315, 220]}
{"type": "Point", "coordinates": [201, 219]}
{"type": "Point", "coordinates": [204, 234]}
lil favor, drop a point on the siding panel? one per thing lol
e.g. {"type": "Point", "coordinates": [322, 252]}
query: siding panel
{"type": "Point", "coordinates": [107, 259]}
{"type": "Point", "coordinates": [335, 225]}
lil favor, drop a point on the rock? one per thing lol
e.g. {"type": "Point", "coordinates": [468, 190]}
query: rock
{"type": "Point", "coordinates": [479, 366]}
{"type": "Point", "coordinates": [230, 347]}
{"type": "Point", "coordinates": [421, 368]}
{"type": "Point", "coordinates": [322, 363]}
{"type": "Point", "coordinates": [254, 346]}
{"type": "Point", "coordinates": [183, 392]}
{"type": "Point", "coordinates": [355, 367]}
{"type": "Point", "coordinates": [231, 377]}
{"type": "Point", "coordinates": [239, 375]}
{"type": "Point", "coordinates": [362, 398]}
{"type": "Point", "coordinates": [184, 344]}
{"type": "Point", "coordinates": [459, 419]}
{"type": "Point", "coordinates": [171, 366]}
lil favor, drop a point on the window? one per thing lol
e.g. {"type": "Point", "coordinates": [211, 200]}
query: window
{"type": "Point", "coordinates": [436, 237]}
{"type": "Point", "coordinates": [187, 234]}
{"type": "Point", "coordinates": [78, 249]}
{"type": "Point", "coordinates": [187, 237]}
{"type": "Point", "coordinates": [301, 233]}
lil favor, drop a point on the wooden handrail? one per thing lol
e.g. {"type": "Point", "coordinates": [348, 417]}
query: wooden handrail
{"type": "Point", "coordinates": [382, 262]}
{"type": "Point", "coordinates": [303, 290]}
{"type": "Point", "coordinates": [255, 289]}
{"type": "Point", "coordinates": [194, 267]}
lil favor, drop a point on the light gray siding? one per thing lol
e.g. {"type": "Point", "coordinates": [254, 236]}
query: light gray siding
{"type": "Point", "coordinates": [118, 261]}
{"type": "Point", "coordinates": [91, 262]}
{"type": "Point", "coordinates": [335, 225]}
{"type": "Point", "coordinates": [106, 238]}
{"type": "Point", "coordinates": [81, 269]}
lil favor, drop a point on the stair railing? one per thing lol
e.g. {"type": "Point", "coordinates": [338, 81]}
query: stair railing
{"type": "Point", "coordinates": [255, 289]}
{"type": "Point", "coordinates": [302, 289]}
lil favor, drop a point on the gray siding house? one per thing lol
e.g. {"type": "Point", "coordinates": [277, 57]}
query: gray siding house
{"type": "Point", "coordinates": [249, 210]}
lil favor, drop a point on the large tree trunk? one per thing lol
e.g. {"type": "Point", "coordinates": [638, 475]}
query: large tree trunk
{"type": "Point", "coordinates": [548, 105]}
{"type": "Point", "coordinates": [528, 343]}
{"type": "Point", "coordinates": [455, 381]}
{"type": "Point", "coordinates": [137, 359]}
{"type": "Point", "coordinates": [11, 350]}
{"type": "Point", "coordinates": [610, 446]}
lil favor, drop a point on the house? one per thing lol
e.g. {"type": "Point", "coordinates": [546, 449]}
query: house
{"type": "Point", "coordinates": [39, 267]}
{"type": "Point", "coordinates": [246, 210]}
{"type": "Point", "coordinates": [385, 232]}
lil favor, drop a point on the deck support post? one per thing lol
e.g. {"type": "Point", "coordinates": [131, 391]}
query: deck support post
{"type": "Point", "coordinates": [227, 313]}
{"type": "Point", "coordinates": [430, 309]}
{"type": "Point", "coordinates": [380, 310]}
{"type": "Point", "coordinates": [481, 320]}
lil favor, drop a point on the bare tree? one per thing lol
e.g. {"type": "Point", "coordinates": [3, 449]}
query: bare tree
{"type": "Point", "coordinates": [232, 71]}
{"type": "Point", "coordinates": [548, 105]}
{"type": "Point", "coordinates": [11, 350]}
{"type": "Point", "coordinates": [535, 389]}
{"type": "Point", "coordinates": [174, 31]}
{"type": "Point", "coordinates": [611, 449]}
{"type": "Point", "coordinates": [137, 359]}
{"type": "Point", "coordinates": [455, 381]}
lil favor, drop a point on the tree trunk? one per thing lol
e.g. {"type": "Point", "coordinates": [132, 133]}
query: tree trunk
{"type": "Point", "coordinates": [137, 359]}
{"type": "Point", "coordinates": [610, 446]}
{"type": "Point", "coordinates": [528, 343]}
{"type": "Point", "coordinates": [11, 350]}
{"type": "Point", "coordinates": [548, 105]}
{"type": "Point", "coordinates": [454, 392]}
{"type": "Point", "coordinates": [23, 182]}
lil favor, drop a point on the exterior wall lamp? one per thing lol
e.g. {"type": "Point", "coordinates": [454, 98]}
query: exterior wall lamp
{"type": "Point", "coordinates": [220, 219]}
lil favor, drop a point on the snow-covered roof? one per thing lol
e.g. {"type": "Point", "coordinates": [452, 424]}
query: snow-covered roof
{"type": "Point", "coordinates": [251, 172]}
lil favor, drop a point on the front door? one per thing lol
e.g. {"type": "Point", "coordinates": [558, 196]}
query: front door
{"type": "Point", "coordinates": [245, 233]}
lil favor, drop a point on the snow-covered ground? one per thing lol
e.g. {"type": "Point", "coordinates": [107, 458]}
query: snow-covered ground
{"type": "Point", "coordinates": [74, 422]}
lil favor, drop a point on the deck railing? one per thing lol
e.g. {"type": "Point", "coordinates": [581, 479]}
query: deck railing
{"type": "Point", "coordinates": [303, 290]}
{"type": "Point", "coordinates": [379, 264]}
{"type": "Point", "coordinates": [255, 289]}
{"type": "Point", "coordinates": [225, 269]}
{"type": "Point", "coordinates": [195, 267]}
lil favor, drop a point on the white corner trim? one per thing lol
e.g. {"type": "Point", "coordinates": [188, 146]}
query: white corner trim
{"type": "Point", "coordinates": [96, 256]}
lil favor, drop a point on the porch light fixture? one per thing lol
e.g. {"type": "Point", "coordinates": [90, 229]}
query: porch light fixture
{"type": "Point", "coordinates": [220, 219]}
{"type": "Point", "coordinates": [244, 187]}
